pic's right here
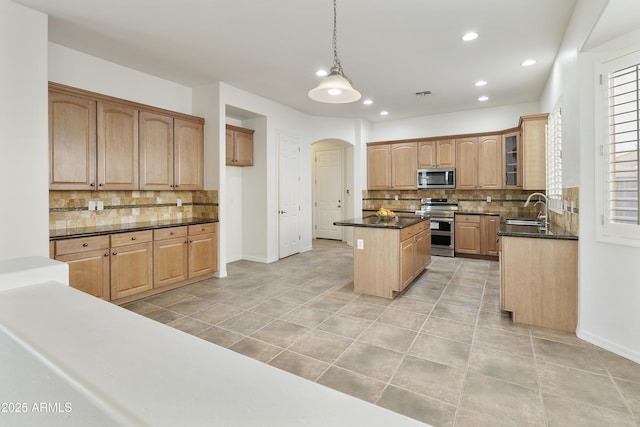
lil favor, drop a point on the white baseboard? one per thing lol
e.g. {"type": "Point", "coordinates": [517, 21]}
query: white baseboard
{"type": "Point", "coordinates": [604, 343]}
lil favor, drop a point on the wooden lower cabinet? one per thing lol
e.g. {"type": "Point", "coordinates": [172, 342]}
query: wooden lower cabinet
{"type": "Point", "coordinates": [127, 266]}
{"type": "Point", "coordinates": [467, 234]}
{"type": "Point", "coordinates": [131, 263]}
{"type": "Point", "coordinates": [170, 256]}
{"type": "Point", "coordinates": [203, 250]}
{"type": "Point", "coordinates": [539, 281]}
{"type": "Point", "coordinates": [386, 261]}
{"type": "Point", "coordinates": [88, 259]}
{"type": "Point", "coordinates": [477, 234]}
{"type": "Point", "coordinates": [489, 242]}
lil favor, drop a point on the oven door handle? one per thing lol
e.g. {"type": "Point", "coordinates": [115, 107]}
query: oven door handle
{"type": "Point", "coordinates": [436, 219]}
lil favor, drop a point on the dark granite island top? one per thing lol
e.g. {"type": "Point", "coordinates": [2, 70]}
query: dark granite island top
{"type": "Point", "coordinates": [397, 222]}
{"type": "Point", "coordinates": [552, 231]}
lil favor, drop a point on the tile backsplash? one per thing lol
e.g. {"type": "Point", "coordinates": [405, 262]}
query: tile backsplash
{"type": "Point", "coordinates": [70, 209]}
{"type": "Point", "coordinates": [508, 203]}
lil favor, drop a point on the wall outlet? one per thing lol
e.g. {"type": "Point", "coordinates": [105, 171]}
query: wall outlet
{"type": "Point", "coordinates": [396, 197]}
{"type": "Point", "coordinates": [488, 199]}
{"type": "Point", "coordinates": [179, 202]}
{"type": "Point", "coordinates": [573, 206]}
{"type": "Point", "coordinates": [360, 244]}
{"type": "Point", "coordinates": [135, 211]}
{"type": "Point", "coordinates": [566, 205]}
{"type": "Point", "coordinates": [92, 205]}
{"type": "Point", "coordinates": [100, 205]}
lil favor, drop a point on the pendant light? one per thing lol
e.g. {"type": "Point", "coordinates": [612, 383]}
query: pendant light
{"type": "Point", "coordinates": [335, 88]}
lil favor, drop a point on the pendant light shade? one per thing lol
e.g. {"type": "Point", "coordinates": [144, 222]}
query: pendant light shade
{"type": "Point", "coordinates": [336, 87]}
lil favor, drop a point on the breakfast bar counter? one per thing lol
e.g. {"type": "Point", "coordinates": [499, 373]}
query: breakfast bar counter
{"type": "Point", "coordinates": [388, 253]}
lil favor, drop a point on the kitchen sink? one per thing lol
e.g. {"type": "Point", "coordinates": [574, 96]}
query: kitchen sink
{"type": "Point", "coordinates": [515, 221]}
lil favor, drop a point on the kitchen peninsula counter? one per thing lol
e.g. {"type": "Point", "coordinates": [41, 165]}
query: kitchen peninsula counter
{"type": "Point", "coordinates": [388, 253]}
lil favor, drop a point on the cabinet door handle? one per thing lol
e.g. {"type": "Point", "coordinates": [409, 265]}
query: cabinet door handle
{"type": "Point", "coordinates": [107, 254]}
{"type": "Point", "coordinates": [100, 185]}
{"type": "Point", "coordinates": [84, 245]}
{"type": "Point", "coordinates": [93, 184]}
{"type": "Point", "coordinates": [115, 253]}
{"type": "Point", "coordinates": [190, 241]}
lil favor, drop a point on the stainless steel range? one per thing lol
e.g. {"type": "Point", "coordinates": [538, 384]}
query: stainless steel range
{"type": "Point", "coordinates": [442, 213]}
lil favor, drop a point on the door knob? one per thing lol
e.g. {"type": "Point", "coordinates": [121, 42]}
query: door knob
{"type": "Point", "coordinates": [282, 212]}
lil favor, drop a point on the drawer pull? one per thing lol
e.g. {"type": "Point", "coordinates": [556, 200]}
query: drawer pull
{"type": "Point", "coordinates": [84, 245]}
{"type": "Point", "coordinates": [171, 233]}
{"type": "Point", "coordinates": [133, 238]}
{"type": "Point", "coordinates": [202, 229]}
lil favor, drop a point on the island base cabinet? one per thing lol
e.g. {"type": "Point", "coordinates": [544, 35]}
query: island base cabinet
{"type": "Point", "coordinates": [539, 281]}
{"type": "Point", "coordinates": [131, 270]}
{"type": "Point", "coordinates": [386, 261]}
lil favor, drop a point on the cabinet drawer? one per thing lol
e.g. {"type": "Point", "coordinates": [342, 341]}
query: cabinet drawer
{"type": "Point", "coordinates": [122, 239]}
{"type": "Point", "coordinates": [81, 244]}
{"type": "Point", "coordinates": [468, 218]}
{"type": "Point", "coordinates": [408, 232]}
{"type": "Point", "coordinates": [169, 233]}
{"type": "Point", "coordinates": [202, 229]}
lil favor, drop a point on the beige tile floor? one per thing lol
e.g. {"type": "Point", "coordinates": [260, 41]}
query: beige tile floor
{"type": "Point", "coordinates": [442, 352]}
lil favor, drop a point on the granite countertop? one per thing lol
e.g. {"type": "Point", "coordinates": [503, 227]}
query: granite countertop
{"type": "Point", "coordinates": [396, 222]}
{"type": "Point", "coordinates": [477, 213]}
{"type": "Point", "coordinates": [553, 231]}
{"type": "Point", "coordinates": [68, 233]}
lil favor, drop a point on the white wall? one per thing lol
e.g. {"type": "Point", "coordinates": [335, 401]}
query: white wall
{"type": "Point", "coordinates": [77, 69]}
{"type": "Point", "coordinates": [608, 274]}
{"type": "Point", "coordinates": [24, 209]}
{"type": "Point", "coordinates": [470, 121]}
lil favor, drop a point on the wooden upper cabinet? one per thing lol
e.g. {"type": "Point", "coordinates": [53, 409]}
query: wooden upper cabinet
{"type": "Point", "coordinates": [188, 155]}
{"type": "Point", "coordinates": [404, 165]}
{"type": "Point", "coordinates": [479, 162]}
{"type": "Point", "coordinates": [512, 160]}
{"type": "Point", "coordinates": [239, 146]}
{"type": "Point", "coordinates": [427, 154]}
{"type": "Point", "coordinates": [379, 167]}
{"type": "Point", "coordinates": [156, 151]}
{"type": "Point", "coordinates": [490, 162]}
{"type": "Point", "coordinates": [117, 149]}
{"type": "Point", "coordinates": [72, 142]}
{"type": "Point", "coordinates": [467, 163]}
{"type": "Point", "coordinates": [437, 154]}
{"type": "Point", "coordinates": [534, 151]}
{"type": "Point", "coordinates": [446, 150]}
{"type": "Point", "coordinates": [97, 142]}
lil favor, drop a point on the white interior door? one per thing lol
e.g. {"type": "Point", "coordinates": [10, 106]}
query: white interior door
{"type": "Point", "coordinates": [289, 196]}
{"type": "Point", "coordinates": [328, 193]}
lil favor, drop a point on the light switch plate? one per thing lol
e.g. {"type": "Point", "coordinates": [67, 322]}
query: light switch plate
{"type": "Point", "coordinates": [360, 244]}
{"type": "Point", "coordinates": [92, 205]}
{"type": "Point", "coordinates": [100, 205]}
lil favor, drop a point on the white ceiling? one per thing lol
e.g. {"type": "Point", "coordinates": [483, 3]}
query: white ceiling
{"type": "Point", "coordinates": [272, 48]}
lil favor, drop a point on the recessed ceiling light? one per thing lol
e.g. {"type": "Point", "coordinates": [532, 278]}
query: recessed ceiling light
{"type": "Point", "coordinates": [322, 73]}
{"type": "Point", "coordinates": [483, 98]}
{"type": "Point", "coordinates": [469, 36]}
{"type": "Point", "coordinates": [528, 62]}
{"type": "Point", "coordinates": [384, 113]}
{"type": "Point", "coordinates": [481, 83]}
{"type": "Point", "coordinates": [367, 102]}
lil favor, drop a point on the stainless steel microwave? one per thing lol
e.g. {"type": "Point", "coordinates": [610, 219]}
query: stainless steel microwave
{"type": "Point", "coordinates": [438, 178]}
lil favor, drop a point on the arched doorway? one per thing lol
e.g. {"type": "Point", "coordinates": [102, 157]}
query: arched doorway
{"type": "Point", "coordinates": [332, 168]}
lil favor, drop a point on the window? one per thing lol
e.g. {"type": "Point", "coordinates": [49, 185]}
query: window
{"type": "Point", "coordinates": [620, 81]}
{"type": "Point", "coordinates": [554, 159]}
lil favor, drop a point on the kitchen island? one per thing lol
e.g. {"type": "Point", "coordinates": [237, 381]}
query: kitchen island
{"type": "Point", "coordinates": [388, 253]}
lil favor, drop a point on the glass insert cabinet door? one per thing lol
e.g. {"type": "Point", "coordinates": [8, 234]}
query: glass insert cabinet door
{"type": "Point", "coordinates": [512, 155]}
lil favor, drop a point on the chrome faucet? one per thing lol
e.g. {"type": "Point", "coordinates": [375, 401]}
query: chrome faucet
{"type": "Point", "coordinates": [544, 217]}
